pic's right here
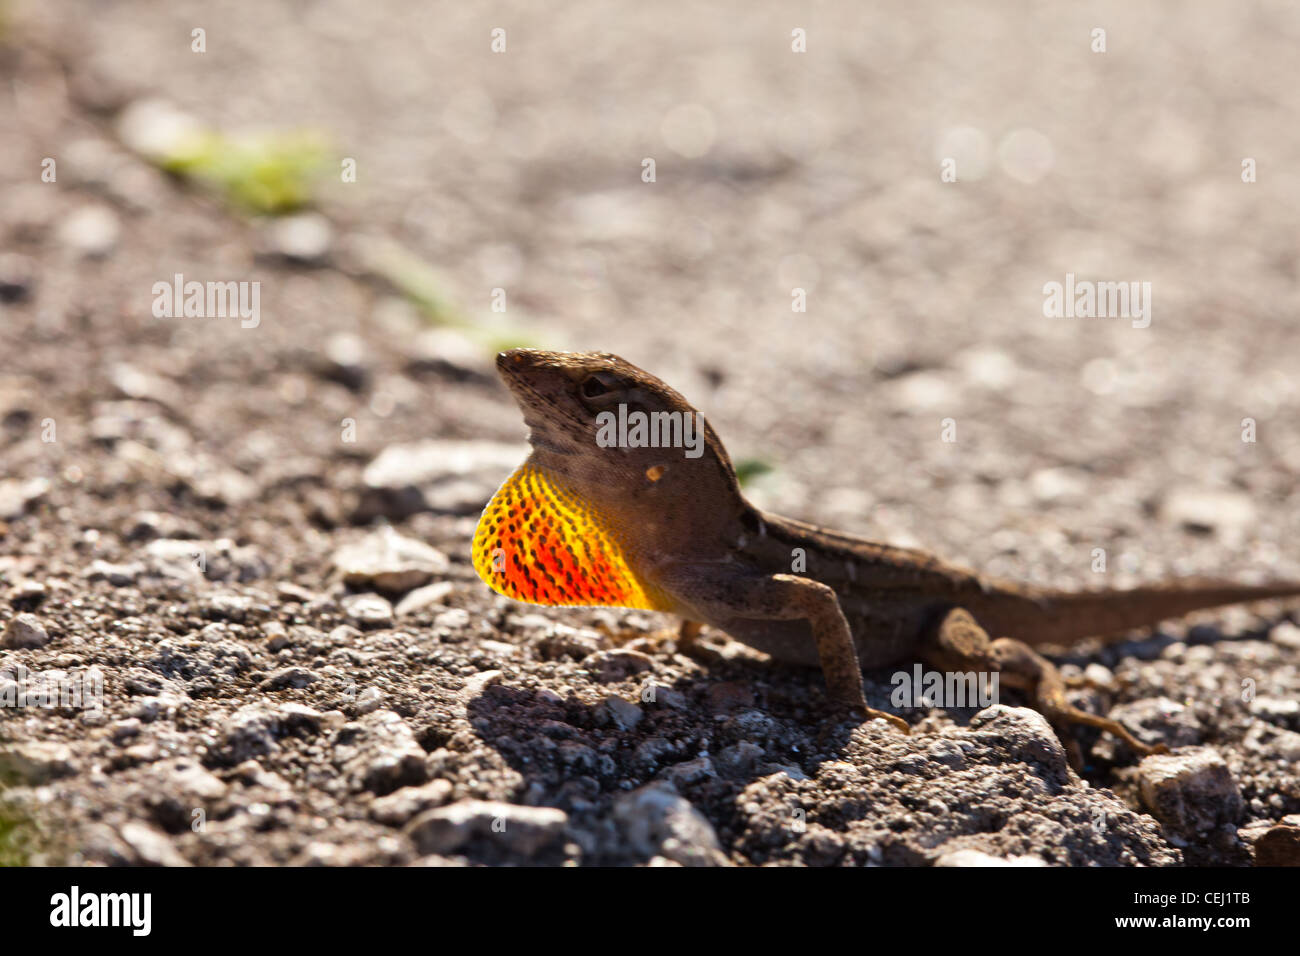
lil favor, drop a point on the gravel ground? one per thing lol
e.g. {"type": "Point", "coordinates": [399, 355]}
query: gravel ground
{"type": "Point", "coordinates": [258, 538]}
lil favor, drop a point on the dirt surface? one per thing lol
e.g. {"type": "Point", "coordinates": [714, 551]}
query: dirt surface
{"type": "Point", "coordinates": [259, 536]}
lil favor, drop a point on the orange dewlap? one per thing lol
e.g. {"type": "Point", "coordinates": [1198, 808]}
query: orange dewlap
{"type": "Point", "coordinates": [538, 542]}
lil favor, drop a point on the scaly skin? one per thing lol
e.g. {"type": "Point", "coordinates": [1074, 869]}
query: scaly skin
{"type": "Point", "coordinates": [654, 527]}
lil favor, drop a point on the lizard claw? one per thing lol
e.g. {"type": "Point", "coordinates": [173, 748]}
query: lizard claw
{"type": "Point", "coordinates": [898, 723]}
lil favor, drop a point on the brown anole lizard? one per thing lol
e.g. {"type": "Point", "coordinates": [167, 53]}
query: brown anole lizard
{"type": "Point", "coordinates": [604, 514]}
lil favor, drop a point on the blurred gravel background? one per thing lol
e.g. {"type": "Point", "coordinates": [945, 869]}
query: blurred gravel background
{"type": "Point", "coordinates": [280, 694]}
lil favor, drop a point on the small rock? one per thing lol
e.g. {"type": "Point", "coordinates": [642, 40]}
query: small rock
{"type": "Point", "coordinates": [227, 607]}
{"type": "Point", "coordinates": [303, 237]}
{"type": "Point", "coordinates": [25, 631]}
{"type": "Point", "coordinates": [378, 752]}
{"type": "Point", "coordinates": [388, 561]}
{"type": "Point", "coordinates": [563, 642]}
{"type": "Point", "coordinates": [1283, 711]}
{"type": "Point", "coordinates": [977, 858]}
{"type": "Point", "coordinates": [124, 730]}
{"type": "Point", "coordinates": [739, 759]}
{"type": "Point", "coordinates": [476, 685]}
{"type": "Point", "coordinates": [691, 771]}
{"type": "Point", "coordinates": [250, 732]}
{"type": "Point", "coordinates": [448, 353]}
{"type": "Point", "coordinates": [156, 129]}
{"type": "Point", "coordinates": [141, 385]}
{"type": "Point", "coordinates": [16, 496]}
{"type": "Point", "coordinates": [436, 475]}
{"type": "Point", "coordinates": [421, 598]}
{"type": "Point", "coordinates": [1191, 791]}
{"type": "Point", "coordinates": [611, 666]}
{"type": "Point", "coordinates": [91, 231]}
{"type": "Point", "coordinates": [188, 782]}
{"type": "Point", "coordinates": [38, 761]}
{"type": "Point", "coordinates": [1100, 677]}
{"type": "Point", "coordinates": [657, 821]}
{"type": "Point", "coordinates": [624, 714]}
{"type": "Point", "coordinates": [1287, 634]}
{"type": "Point", "coordinates": [1230, 514]}
{"type": "Point", "coordinates": [1025, 733]}
{"type": "Point", "coordinates": [151, 708]}
{"type": "Point", "coordinates": [152, 847]}
{"type": "Point", "coordinates": [254, 730]}
{"type": "Point", "coordinates": [1278, 846]}
{"type": "Point", "coordinates": [516, 829]}
{"type": "Point", "coordinates": [297, 677]}
{"type": "Point", "coordinates": [368, 610]}
{"type": "Point", "coordinates": [401, 805]}
{"type": "Point", "coordinates": [369, 700]}
{"type": "Point", "coordinates": [118, 575]}
{"type": "Point", "coordinates": [1273, 741]}
{"type": "Point", "coordinates": [345, 361]}
{"type": "Point", "coordinates": [299, 718]}
{"type": "Point", "coordinates": [26, 595]}
{"type": "Point", "coordinates": [456, 619]}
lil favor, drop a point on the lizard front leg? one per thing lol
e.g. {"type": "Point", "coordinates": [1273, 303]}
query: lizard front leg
{"type": "Point", "coordinates": [958, 643]}
{"type": "Point", "coordinates": [785, 597]}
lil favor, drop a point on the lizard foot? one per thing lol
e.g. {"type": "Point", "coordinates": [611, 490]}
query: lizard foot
{"type": "Point", "coordinates": [898, 723]}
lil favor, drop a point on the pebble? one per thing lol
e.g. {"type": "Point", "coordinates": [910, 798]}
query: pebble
{"type": "Point", "coordinates": [1284, 711]}
{"type": "Point", "coordinates": [624, 714]}
{"type": "Point", "coordinates": [118, 575]}
{"type": "Point", "coordinates": [28, 594]}
{"type": "Point", "coordinates": [1192, 791]}
{"type": "Point", "coordinates": [1287, 634]}
{"type": "Point", "coordinates": [401, 805]}
{"type": "Point", "coordinates": [250, 732]}
{"type": "Point", "coordinates": [304, 237]}
{"type": "Point", "coordinates": [454, 619]}
{"type": "Point", "coordinates": [156, 129]}
{"type": "Point", "coordinates": [658, 821]}
{"type": "Point", "coordinates": [739, 759]}
{"type": "Point", "coordinates": [436, 475]}
{"type": "Point", "coordinates": [1022, 732]}
{"type": "Point", "coordinates": [152, 847]}
{"type": "Point", "coordinates": [518, 829]}
{"type": "Point", "coordinates": [367, 610]}
{"type": "Point", "coordinates": [1227, 513]}
{"type": "Point", "coordinates": [91, 231]}
{"type": "Point", "coordinates": [124, 730]}
{"type": "Point", "coordinates": [38, 761]}
{"type": "Point", "coordinates": [448, 353]}
{"type": "Point", "coordinates": [421, 598]}
{"type": "Point", "coordinates": [1278, 846]}
{"type": "Point", "coordinates": [296, 677]}
{"type": "Point", "coordinates": [378, 752]}
{"type": "Point", "coordinates": [610, 666]}
{"type": "Point", "coordinates": [16, 496]}
{"type": "Point", "coordinates": [691, 771]}
{"type": "Point", "coordinates": [345, 361]}
{"type": "Point", "coordinates": [25, 631]}
{"type": "Point", "coordinates": [369, 700]}
{"type": "Point", "coordinates": [969, 857]}
{"type": "Point", "coordinates": [389, 562]}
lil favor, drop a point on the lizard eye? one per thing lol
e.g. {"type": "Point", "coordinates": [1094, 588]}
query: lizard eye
{"type": "Point", "coordinates": [593, 387]}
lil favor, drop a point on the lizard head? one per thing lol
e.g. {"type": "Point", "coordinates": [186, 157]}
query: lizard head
{"type": "Point", "coordinates": [623, 473]}
{"type": "Point", "coordinates": [601, 421]}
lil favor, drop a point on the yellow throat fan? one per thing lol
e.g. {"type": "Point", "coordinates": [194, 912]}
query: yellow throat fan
{"type": "Point", "coordinates": [538, 542]}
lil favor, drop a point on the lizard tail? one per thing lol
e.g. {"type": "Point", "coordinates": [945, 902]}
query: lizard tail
{"type": "Point", "coordinates": [1060, 617]}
